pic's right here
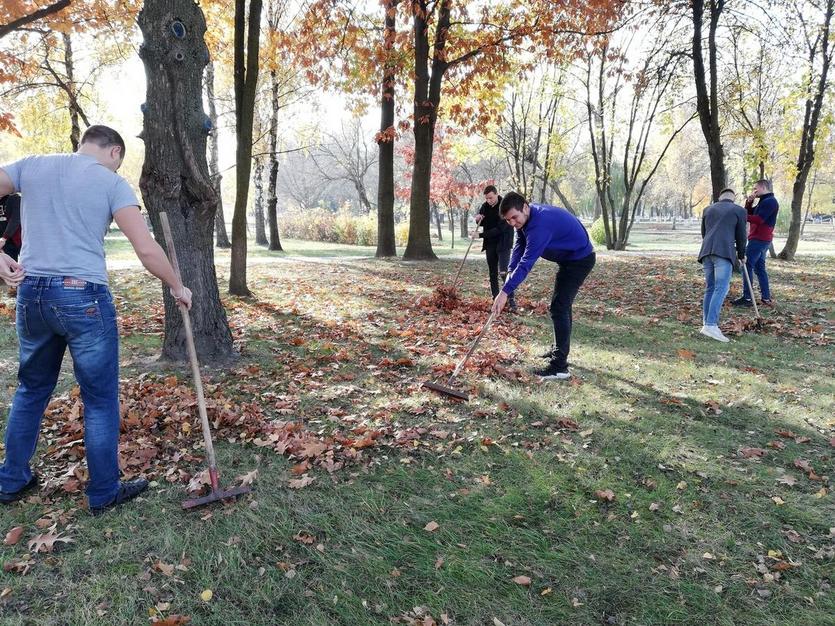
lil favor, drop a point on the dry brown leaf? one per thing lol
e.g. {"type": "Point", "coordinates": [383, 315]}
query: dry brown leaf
{"type": "Point", "coordinates": [164, 568]}
{"type": "Point", "coordinates": [248, 478]}
{"type": "Point", "coordinates": [45, 542]}
{"type": "Point", "coordinates": [522, 580]}
{"type": "Point", "coordinates": [748, 453]}
{"type": "Point", "coordinates": [13, 536]}
{"type": "Point", "coordinates": [605, 494]}
{"type": "Point", "coordinates": [300, 482]}
{"type": "Point", "coordinates": [432, 527]}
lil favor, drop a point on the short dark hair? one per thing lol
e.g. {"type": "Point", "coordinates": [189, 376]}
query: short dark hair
{"type": "Point", "coordinates": [103, 137]}
{"type": "Point", "coordinates": [490, 189]}
{"type": "Point", "coordinates": [512, 200]}
{"type": "Point", "coordinates": [727, 191]}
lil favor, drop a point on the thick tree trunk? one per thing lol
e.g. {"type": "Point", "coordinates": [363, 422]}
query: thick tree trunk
{"type": "Point", "coordinates": [385, 143]}
{"type": "Point", "coordinates": [175, 176]}
{"type": "Point", "coordinates": [221, 238]}
{"type": "Point", "coordinates": [260, 226]}
{"type": "Point", "coordinates": [247, 34]}
{"type": "Point", "coordinates": [427, 100]}
{"type": "Point", "coordinates": [272, 198]}
{"type": "Point", "coordinates": [707, 103]}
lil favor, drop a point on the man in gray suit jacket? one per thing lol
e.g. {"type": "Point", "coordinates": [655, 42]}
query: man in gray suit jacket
{"type": "Point", "coordinates": [724, 225]}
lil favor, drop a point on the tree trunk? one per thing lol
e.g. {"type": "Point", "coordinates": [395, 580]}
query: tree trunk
{"type": "Point", "coordinates": [808, 203]}
{"type": "Point", "coordinates": [246, 43]}
{"type": "Point", "coordinates": [260, 229]}
{"type": "Point", "coordinates": [806, 156]}
{"type": "Point", "coordinates": [427, 100]}
{"type": "Point", "coordinates": [437, 215]}
{"type": "Point", "coordinates": [69, 65]}
{"type": "Point", "coordinates": [221, 238]}
{"type": "Point", "coordinates": [707, 100]}
{"type": "Point", "coordinates": [272, 198]}
{"type": "Point", "coordinates": [464, 217]}
{"type": "Point", "coordinates": [385, 140]}
{"type": "Point", "coordinates": [175, 176]}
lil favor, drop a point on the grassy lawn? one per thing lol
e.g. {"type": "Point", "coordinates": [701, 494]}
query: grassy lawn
{"type": "Point", "coordinates": [674, 480]}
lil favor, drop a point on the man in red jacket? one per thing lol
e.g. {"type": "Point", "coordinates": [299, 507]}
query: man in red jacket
{"type": "Point", "coordinates": [761, 219]}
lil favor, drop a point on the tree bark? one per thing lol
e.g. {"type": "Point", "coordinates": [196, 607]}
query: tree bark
{"type": "Point", "coordinates": [707, 103]}
{"type": "Point", "coordinates": [272, 197]}
{"type": "Point", "coordinates": [385, 142]}
{"type": "Point", "coordinates": [221, 238]}
{"type": "Point", "coordinates": [427, 99]}
{"type": "Point", "coordinates": [246, 44]}
{"type": "Point", "coordinates": [806, 156]}
{"type": "Point", "coordinates": [260, 226]}
{"type": "Point", "coordinates": [175, 175]}
{"type": "Point", "coordinates": [436, 213]}
{"type": "Point", "coordinates": [75, 126]}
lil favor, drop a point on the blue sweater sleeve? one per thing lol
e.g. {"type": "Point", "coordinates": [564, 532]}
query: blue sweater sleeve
{"type": "Point", "coordinates": [529, 247]}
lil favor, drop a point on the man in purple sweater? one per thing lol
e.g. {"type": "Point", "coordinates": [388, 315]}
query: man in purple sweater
{"type": "Point", "coordinates": [555, 235]}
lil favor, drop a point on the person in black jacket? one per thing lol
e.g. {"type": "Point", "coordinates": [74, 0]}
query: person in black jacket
{"type": "Point", "coordinates": [10, 240]}
{"type": "Point", "coordinates": [497, 236]}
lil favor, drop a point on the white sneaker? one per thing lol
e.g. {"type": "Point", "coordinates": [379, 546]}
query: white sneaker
{"type": "Point", "coordinates": [714, 333]}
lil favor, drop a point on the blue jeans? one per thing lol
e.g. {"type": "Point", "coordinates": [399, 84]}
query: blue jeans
{"type": "Point", "coordinates": [717, 282]}
{"type": "Point", "coordinates": [54, 313]}
{"type": "Point", "coordinates": [755, 262]}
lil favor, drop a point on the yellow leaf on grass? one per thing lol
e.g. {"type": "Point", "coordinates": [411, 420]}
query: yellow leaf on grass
{"type": "Point", "coordinates": [206, 596]}
{"type": "Point", "coordinates": [778, 500]}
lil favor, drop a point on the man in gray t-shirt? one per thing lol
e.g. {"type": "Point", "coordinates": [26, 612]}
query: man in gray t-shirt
{"type": "Point", "coordinates": [63, 301]}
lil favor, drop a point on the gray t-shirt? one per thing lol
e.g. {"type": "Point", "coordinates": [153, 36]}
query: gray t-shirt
{"type": "Point", "coordinates": [68, 202]}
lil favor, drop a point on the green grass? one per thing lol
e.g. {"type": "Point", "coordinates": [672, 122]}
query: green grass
{"type": "Point", "coordinates": [661, 412]}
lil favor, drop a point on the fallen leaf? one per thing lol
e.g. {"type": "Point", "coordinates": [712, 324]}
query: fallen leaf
{"type": "Point", "coordinates": [654, 506]}
{"type": "Point", "coordinates": [686, 354]}
{"type": "Point", "coordinates": [748, 453]}
{"type": "Point", "coordinates": [439, 562]}
{"type": "Point", "coordinates": [778, 500]}
{"type": "Point", "coordinates": [305, 538]}
{"type": "Point", "coordinates": [164, 568]}
{"type": "Point", "coordinates": [681, 486]}
{"type": "Point", "coordinates": [45, 542]}
{"type": "Point", "coordinates": [432, 527]}
{"type": "Point", "coordinates": [13, 536]}
{"type": "Point", "coordinates": [822, 493]}
{"type": "Point", "coordinates": [248, 478]}
{"type": "Point", "coordinates": [206, 595]}
{"type": "Point", "coordinates": [605, 494]}
{"type": "Point", "coordinates": [522, 580]}
{"type": "Point", "coordinates": [787, 480]}
{"type": "Point", "coordinates": [803, 464]}
{"type": "Point", "coordinates": [298, 483]}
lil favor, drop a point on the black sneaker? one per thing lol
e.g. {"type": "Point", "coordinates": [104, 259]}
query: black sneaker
{"type": "Point", "coordinates": [9, 498]}
{"type": "Point", "coordinates": [128, 490]}
{"type": "Point", "coordinates": [554, 371]}
{"type": "Point", "coordinates": [742, 301]}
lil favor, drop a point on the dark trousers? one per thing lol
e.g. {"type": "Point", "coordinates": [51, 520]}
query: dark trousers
{"type": "Point", "coordinates": [570, 277]}
{"type": "Point", "coordinates": [498, 258]}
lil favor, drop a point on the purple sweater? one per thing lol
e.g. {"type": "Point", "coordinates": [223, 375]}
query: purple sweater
{"type": "Point", "coordinates": [551, 233]}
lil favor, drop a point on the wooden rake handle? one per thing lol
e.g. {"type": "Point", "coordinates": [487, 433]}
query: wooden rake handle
{"type": "Point", "coordinates": [747, 278]}
{"type": "Point", "coordinates": [464, 260]}
{"type": "Point", "coordinates": [466, 358]}
{"type": "Point", "coordinates": [192, 351]}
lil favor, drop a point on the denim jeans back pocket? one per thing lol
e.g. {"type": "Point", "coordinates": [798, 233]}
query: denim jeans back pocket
{"type": "Point", "coordinates": [80, 318]}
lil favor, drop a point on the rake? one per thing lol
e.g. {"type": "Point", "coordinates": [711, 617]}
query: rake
{"type": "Point", "coordinates": [447, 389]}
{"type": "Point", "coordinates": [747, 278]}
{"type": "Point", "coordinates": [214, 478]}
